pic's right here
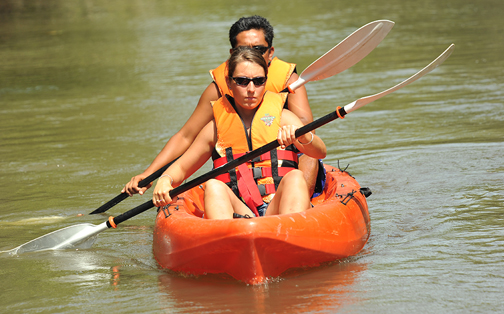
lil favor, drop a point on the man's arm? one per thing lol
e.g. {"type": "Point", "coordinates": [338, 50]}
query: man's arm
{"type": "Point", "coordinates": [298, 102]}
{"type": "Point", "coordinates": [179, 142]}
{"type": "Point", "coordinates": [299, 105]}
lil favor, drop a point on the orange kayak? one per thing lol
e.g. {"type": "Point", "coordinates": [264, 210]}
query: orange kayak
{"type": "Point", "coordinates": [253, 250]}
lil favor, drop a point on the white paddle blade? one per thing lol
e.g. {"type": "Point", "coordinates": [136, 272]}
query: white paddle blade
{"type": "Point", "coordinates": [81, 236]}
{"type": "Point", "coordinates": [434, 64]}
{"type": "Point", "coordinates": [347, 53]}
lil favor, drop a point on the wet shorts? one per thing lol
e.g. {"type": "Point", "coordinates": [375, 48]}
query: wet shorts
{"type": "Point", "coordinates": [261, 209]}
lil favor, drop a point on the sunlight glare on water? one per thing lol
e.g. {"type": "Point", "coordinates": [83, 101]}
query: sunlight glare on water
{"type": "Point", "coordinates": [90, 92]}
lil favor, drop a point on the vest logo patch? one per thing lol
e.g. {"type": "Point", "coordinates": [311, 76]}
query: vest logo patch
{"type": "Point", "coordinates": [268, 119]}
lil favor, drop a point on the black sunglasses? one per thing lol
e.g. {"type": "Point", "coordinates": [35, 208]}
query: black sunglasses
{"type": "Point", "coordinates": [245, 81]}
{"type": "Point", "coordinates": [261, 49]}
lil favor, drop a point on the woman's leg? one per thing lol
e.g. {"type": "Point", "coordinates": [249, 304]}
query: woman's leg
{"type": "Point", "coordinates": [292, 195]}
{"type": "Point", "coordinates": [221, 202]}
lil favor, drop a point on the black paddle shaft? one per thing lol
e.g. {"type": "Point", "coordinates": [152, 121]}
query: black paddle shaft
{"type": "Point", "coordinates": [340, 112]}
{"type": "Point", "coordinates": [121, 197]}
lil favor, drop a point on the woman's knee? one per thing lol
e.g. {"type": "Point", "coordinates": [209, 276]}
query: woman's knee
{"type": "Point", "coordinates": [294, 177]}
{"type": "Point", "coordinates": [214, 185]}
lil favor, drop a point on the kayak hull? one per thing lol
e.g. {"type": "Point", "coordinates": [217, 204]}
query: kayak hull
{"type": "Point", "coordinates": [253, 250]}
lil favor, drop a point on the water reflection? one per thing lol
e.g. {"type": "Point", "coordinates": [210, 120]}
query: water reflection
{"type": "Point", "coordinates": [326, 289]}
{"type": "Point", "coordinates": [75, 267]}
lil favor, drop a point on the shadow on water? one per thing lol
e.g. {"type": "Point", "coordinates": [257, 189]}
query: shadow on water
{"type": "Point", "coordinates": [326, 288]}
{"type": "Point", "coordinates": [78, 275]}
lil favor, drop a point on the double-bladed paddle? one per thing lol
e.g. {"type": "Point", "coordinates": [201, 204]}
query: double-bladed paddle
{"type": "Point", "coordinates": [84, 235]}
{"type": "Point", "coordinates": [343, 56]}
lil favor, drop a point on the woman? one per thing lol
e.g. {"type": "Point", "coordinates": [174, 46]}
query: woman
{"type": "Point", "coordinates": [250, 119]}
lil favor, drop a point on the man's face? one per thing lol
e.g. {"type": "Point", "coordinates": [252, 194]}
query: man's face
{"type": "Point", "coordinates": [254, 38]}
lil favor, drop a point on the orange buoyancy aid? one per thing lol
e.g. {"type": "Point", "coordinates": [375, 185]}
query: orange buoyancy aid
{"type": "Point", "coordinates": [279, 73]}
{"type": "Point", "coordinates": [255, 181]}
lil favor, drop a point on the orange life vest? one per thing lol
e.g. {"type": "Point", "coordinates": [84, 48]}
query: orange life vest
{"type": "Point", "coordinates": [279, 73]}
{"type": "Point", "coordinates": [254, 181]}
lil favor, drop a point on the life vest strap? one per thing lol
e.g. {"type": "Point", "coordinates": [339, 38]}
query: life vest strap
{"type": "Point", "coordinates": [243, 182]}
{"type": "Point", "coordinates": [232, 173]}
{"type": "Point", "coordinates": [266, 189]}
{"type": "Point", "coordinates": [257, 173]}
{"type": "Point", "coordinates": [281, 154]}
{"type": "Point", "coordinates": [248, 189]}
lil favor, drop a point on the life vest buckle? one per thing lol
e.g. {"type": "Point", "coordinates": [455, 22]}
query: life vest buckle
{"type": "Point", "coordinates": [257, 173]}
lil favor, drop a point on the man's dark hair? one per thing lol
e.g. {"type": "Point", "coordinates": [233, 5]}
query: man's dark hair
{"type": "Point", "coordinates": [248, 23]}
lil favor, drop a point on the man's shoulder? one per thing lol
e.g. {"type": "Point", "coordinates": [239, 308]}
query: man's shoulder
{"type": "Point", "coordinates": [277, 60]}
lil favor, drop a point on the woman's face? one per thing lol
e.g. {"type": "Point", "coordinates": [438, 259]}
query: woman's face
{"type": "Point", "coordinates": [251, 95]}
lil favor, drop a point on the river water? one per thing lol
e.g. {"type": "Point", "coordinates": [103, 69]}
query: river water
{"type": "Point", "coordinates": [90, 91]}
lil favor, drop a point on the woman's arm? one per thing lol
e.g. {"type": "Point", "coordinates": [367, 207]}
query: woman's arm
{"type": "Point", "coordinates": [179, 142]}
{"type": "Point", "coordinates": [195, 157]}
{"type": "Point", "coordinates": [309, 143]}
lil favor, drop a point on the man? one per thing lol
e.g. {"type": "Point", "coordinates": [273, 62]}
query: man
{"type": "Point", "coordinates": [254, 31]}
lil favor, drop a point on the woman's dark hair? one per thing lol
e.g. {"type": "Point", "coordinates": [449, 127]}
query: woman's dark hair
{"type": "Point", "coordinates": [241, 54]}
{"type": "Point", "coordinates": [248, 23]}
